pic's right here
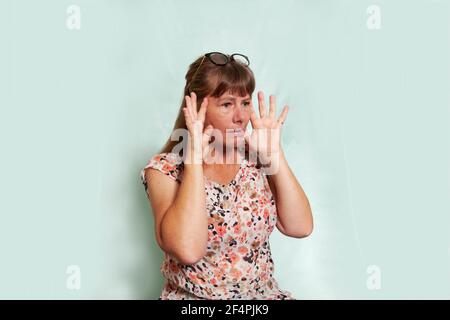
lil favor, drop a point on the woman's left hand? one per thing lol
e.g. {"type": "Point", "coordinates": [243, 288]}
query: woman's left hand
{"type": "Point", "coordinates": [265, 138]}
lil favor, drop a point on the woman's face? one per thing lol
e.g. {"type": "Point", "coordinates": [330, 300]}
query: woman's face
{"type": "Point", "coordinates": [230, 112]}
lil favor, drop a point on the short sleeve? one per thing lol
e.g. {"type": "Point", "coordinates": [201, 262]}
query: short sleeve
{"type": "Point", "coordinates": [171, 164]}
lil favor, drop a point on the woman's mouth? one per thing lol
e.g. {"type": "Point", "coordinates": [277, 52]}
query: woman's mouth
{"type": "Point", "coordinates": [237, 132]}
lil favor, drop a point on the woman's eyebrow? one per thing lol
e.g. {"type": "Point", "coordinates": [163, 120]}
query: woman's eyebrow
{"type": "Point", "coordinates": [233, 98]}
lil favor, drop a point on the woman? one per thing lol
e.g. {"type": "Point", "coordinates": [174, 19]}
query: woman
{"type": "Point", "coordinates": [213, 217]}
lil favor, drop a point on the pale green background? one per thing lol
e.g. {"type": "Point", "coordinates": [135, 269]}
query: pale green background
{"type": "Point", "coordinates": [367, 136]}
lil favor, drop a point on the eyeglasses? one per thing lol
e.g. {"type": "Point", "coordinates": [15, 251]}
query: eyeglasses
{"type": "Point", "coordinates": [221, 59]}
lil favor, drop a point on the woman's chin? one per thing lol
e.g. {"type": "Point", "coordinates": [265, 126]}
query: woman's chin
{"type": "Point", "coordinates": [233, 142]}
{"type": "Point", "coordinates": [236, 142]}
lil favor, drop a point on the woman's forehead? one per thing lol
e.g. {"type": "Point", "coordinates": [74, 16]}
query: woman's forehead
{"type": "Point", "coordinates": [229, 95]}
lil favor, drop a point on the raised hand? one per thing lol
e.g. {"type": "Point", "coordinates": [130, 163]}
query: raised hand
{"type": "Point", "coordinates": [198, 135]}
{"type": "Point", "coordinates": [265, 139]}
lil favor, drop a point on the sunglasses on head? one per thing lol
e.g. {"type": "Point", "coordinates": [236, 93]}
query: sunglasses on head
{"type": "Point", "coordinates": [221, 59]}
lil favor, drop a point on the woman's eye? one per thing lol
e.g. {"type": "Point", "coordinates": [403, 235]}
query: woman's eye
{"type": "Point", "coordinates": [246, 103]}
{"type": "Point", "coordinates": [226, 104]}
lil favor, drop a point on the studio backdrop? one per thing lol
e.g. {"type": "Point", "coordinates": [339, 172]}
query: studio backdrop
{"type": "Point", "coordinates": [90, 89]}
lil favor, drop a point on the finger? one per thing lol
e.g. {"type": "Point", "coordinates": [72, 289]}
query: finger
{"type": "Point", "coordinates": [272, 106]}
{"type": "Point", "coordinates": [189, 106]}
{"type": "Point", "coordinates": [207, 133]}
{"type": "Point", "coordinates": [194, 104]}
{"type": "Point", "coordinates": [202, 112]}
{"type": "Point", "coordinates": [187, 118]}
{"type": "Point", "coordinates": [187, 115]}
{"type": "Point", "coordinates": [283, 115]}
{"type": "Point", "coordinates": [209, 129]}
{"type": "Point", "coordinates": [253, 118]}
{"type": "Point", "coordinates": [261, 104]}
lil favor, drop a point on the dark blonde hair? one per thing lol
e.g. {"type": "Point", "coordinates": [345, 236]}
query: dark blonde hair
{"type": "Point", "coordinates": [207, 79]}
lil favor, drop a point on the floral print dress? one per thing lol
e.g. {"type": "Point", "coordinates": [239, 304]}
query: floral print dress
{"type": "Point", "coordinates": [238, 262]}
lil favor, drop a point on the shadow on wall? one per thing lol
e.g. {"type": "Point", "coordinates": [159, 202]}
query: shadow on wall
{"type": "Point", "coordinates": [144, 278]}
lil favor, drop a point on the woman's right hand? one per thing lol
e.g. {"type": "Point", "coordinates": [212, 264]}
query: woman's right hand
{"type": "Point", "coordinates": [199, 136]}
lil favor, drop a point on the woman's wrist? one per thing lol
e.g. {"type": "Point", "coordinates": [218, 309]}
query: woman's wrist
{"type": "Point", "coordinates": [194, 152]}
{"type": "Point", "coordinates": [271, 163]}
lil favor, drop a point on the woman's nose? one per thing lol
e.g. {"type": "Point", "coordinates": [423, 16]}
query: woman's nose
{"type": "Point", "coordinates": [238, 115]}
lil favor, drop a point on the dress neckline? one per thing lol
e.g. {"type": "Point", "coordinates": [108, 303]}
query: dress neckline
{"type": "Point", "coordinates": [233, 181]}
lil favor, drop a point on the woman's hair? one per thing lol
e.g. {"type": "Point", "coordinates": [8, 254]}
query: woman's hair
{"type": "Point", "coordinates": [207, 79]}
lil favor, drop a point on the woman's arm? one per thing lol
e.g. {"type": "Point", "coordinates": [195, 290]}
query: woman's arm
{"type": "Point", "coordinates": [294, 211]}
{"type": "Point", "coordinates": [180, 214]}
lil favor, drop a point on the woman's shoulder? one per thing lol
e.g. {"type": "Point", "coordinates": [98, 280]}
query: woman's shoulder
{"type": "Point", "coordinates": [169, 158]}
{"type": "Point", "coordinates": [168, 163]}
